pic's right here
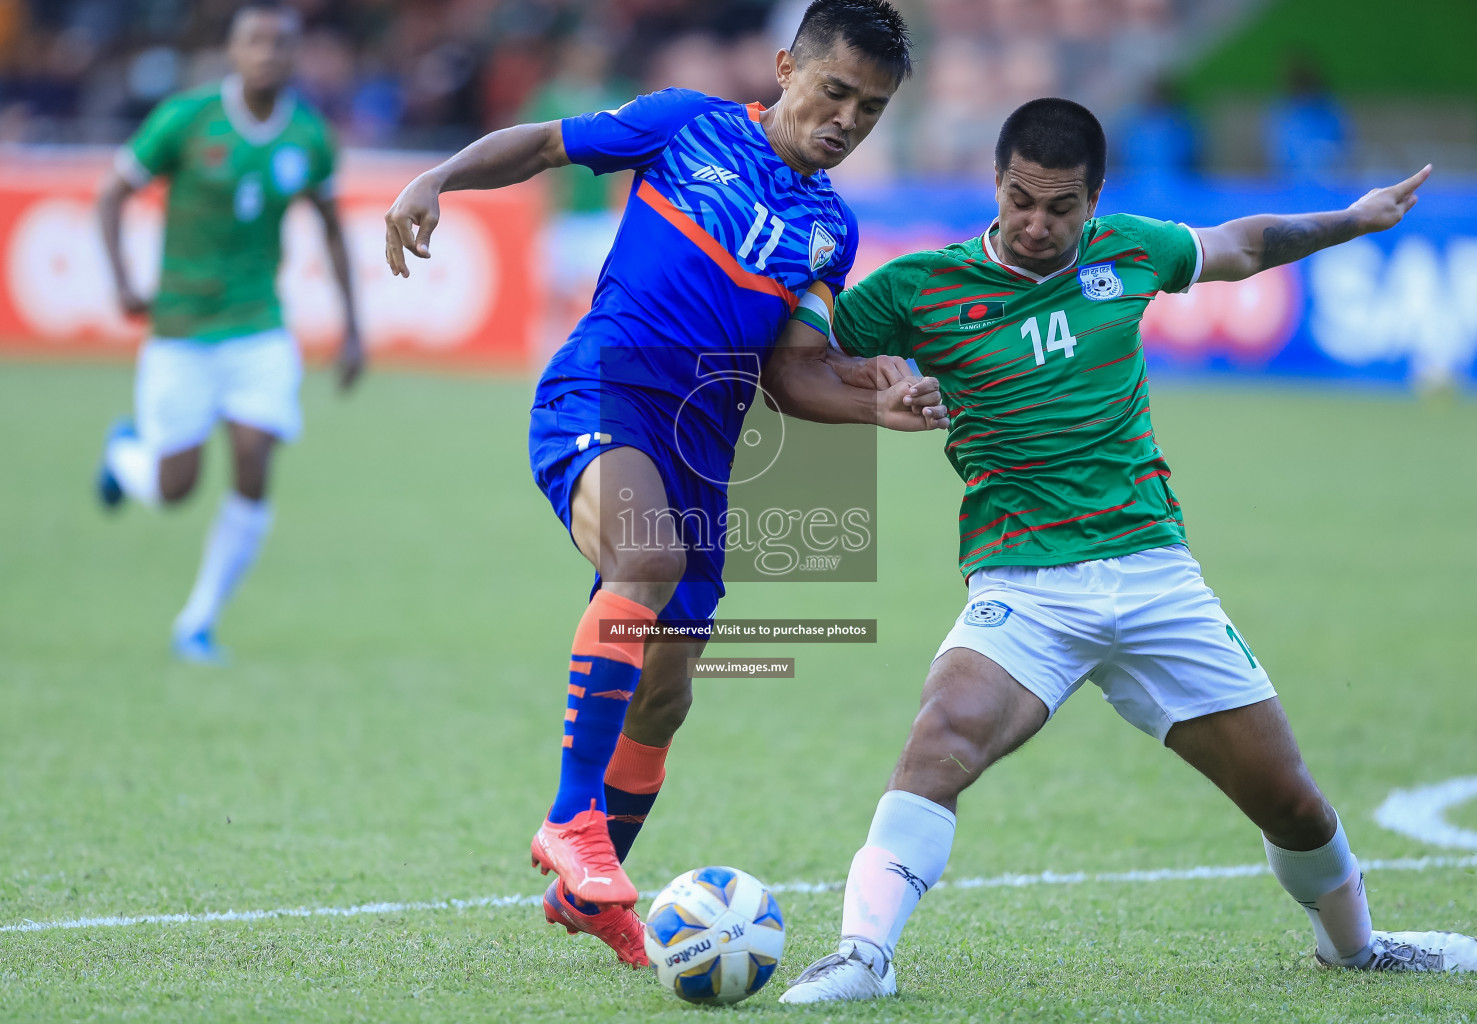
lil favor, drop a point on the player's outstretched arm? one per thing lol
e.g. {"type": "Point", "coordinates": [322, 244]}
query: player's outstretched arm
{"type": "Point", "coordinates": [1240, 248]}
{"type": "Point", "coordinates": [350, 361]}
{"type": "Point", "coordinates": [116, 189]}
{"type": "Point", "coordinates": [806, 379]}
{"type": "Point", "coordinates": [505, 157]}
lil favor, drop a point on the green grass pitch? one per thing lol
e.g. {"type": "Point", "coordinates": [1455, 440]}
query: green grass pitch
{"type": "Point", "coordinates": [389, 729]}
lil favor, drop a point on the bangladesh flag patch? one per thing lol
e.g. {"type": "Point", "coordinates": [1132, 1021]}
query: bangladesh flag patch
{"type": "Point", "coordinates": [978, 314]}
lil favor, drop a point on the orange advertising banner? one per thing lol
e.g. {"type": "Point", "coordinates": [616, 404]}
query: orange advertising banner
{"type": "Point", "coordinates": [477, 303]}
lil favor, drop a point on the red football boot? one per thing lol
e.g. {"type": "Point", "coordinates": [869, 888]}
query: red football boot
{"type": "Point", "coordinates": [617, 927]}
{"type": "Point", "coordinates": [580, 851]}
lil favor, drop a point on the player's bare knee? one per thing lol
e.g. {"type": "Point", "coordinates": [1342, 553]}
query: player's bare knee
{"type": "Point", "coordinates": [647, 576]}
{"type": "Point", "coordinates": [957, 731]}
{"type": "Point", "coordinates": [653, 565]}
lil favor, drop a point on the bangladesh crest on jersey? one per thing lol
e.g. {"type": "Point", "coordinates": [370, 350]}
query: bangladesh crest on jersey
{"type": "Point", "coordinates": [987, 613]}
{"type": "Point", "coordinates": [1100, 282]}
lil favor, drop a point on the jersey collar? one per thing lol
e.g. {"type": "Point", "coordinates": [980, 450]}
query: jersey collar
{"type": "Point", "coordinates": [258, 133]}
{"type": "Point", "coordinates": [989, 248]}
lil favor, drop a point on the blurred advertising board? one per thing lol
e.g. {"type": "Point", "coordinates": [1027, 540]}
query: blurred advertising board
{"type": "Point", "coordinates": [507, 283]}
{"type": "Point", "coordinates": [1400, 306]}
{"type": "Point", "coordinates": [476, 304]}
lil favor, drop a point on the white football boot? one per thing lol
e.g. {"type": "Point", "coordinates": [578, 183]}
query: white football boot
{"type": "Point", "coordinates": [1432, 952]}
{"type": "Point", "coordinates": [845, 974]}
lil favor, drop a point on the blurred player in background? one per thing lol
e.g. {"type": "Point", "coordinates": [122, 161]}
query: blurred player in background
{"type": "Point", "coordinates": [1072, 542]}
{"type": "Point", "coordinates": [236, 154]}
{"type": "Point", "coordinates": [731, 226]}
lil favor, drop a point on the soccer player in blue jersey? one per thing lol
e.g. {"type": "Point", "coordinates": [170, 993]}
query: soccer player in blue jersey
{"type": "Point", "coordinates": [731, 227]}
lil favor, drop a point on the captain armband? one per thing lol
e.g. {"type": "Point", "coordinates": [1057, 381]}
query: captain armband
{"type": "Point", "coordinates": [813, 311]}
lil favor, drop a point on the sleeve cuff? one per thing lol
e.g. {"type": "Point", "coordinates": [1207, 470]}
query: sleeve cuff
{"type": "Point", "coordinates": [1199, 259]}
{"type": "Point", "coordinates": [131, 169]}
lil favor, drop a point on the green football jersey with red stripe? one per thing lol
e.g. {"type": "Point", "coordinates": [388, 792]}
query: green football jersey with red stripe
{"type": "Point", "coordinates": [231, 179]}
{"type": "Point", "coordinates": [1045, 382]}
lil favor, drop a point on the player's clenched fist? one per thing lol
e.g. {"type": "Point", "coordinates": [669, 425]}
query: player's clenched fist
{"type": "Point", "coordinates": [409, 223]}
{"type": "Point", "coordinates": [913, 403]}
{"type": "Point", "coordinates": [908, 401]}
{"type": "Point", "coordinates": [131, 302]}
{"type": "Point", "coordinates": [878, 372]}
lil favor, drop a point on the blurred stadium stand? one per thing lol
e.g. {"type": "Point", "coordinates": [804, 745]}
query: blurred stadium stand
{"type": "Point", "coordinates": [1214, 108]}
{"type": "Point", "coordinates": [1184, 81]}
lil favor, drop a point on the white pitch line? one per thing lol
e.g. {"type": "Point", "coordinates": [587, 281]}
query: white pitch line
{"type": "Point", "coordinates": [486, 902]}
{"type": "Point", "coordinates": [1421, 812]}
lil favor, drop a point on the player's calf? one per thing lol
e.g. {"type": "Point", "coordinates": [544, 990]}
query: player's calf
{"type": "Point", "coordinates": [177, 475]}
{"type": "Point", "coordinates": [251, 455]}
{"type": "Point", "coordinates": [638, 767]}
{"type": "Point", "coordinates": [1251, 755]}
{"type": "Point", "coordinates": [664, 698]}
{"type": "Point", "coordinates": [1299, 818]}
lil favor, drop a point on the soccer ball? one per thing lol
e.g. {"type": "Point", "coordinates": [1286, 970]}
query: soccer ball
{"type": "Point", "coordinates": [714, 935]}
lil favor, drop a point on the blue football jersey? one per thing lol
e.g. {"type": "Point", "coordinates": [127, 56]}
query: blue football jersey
{"type": "Point", "coordinates": [719, 240]}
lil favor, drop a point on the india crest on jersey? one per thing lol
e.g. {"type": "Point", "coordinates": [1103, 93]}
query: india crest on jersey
{"type": "Point", "coordinates": [822, 247]}
{"type": "Point", "coordinates": [1100, 282]}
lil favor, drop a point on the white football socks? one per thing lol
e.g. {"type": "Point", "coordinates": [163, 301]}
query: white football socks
{"type": "Point", "coordinates": [907, 848]}
{"type": "Point", "coordinates": [1329, 885]}
{"type": "Point", "coordinates": [136, 468]}
{"type": "Point", "coordinates": [231, 546]}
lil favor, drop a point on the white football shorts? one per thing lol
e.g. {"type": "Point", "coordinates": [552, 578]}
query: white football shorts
{"type": "Point", "coordinates": [184, 387]}
{"type": "Point", "coordinates": [1144, 627]}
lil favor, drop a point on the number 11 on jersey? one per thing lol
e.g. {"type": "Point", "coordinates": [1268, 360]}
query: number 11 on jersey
{"type": "Point", "coordinates": [1058, 336]}
{"type": "Point", "coordinates": [777, 228]}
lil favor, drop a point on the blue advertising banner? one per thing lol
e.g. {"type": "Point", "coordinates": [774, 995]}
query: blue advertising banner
{"type": "Point", "coordinates": [1400, 306]}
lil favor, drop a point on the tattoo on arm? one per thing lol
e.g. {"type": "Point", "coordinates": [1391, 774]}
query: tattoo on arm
{"type": "Point", "coordinates": [1292, 238]}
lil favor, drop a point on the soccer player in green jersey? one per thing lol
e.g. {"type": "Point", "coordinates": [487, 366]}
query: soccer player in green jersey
{"type": "Point", "coordinates": [1071, 539]}
{"type": "Point", "coordinates": [236, 154]}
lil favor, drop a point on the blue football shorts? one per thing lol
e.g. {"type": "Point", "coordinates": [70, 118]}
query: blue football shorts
{"type": "Point", "coordinates": [570, 430]}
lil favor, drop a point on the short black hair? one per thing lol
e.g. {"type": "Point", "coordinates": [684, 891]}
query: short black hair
{"type": "Point", "coordinates": [873, 28]}
{"type": "Point", "coordinates": [281, 10]}
{"type": "Point", "coordinates": [1057, 134]}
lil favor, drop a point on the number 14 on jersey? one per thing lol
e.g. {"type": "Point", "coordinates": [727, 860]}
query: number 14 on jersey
{"type": "Point", "coordinates": [1058, 336]}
